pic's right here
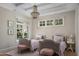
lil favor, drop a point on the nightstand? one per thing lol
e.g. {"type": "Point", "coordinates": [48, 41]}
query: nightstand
{"type": "Point", "coordinates": [71, 46]}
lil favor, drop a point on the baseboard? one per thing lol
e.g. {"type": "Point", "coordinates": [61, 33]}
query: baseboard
{"type": "Point", "coordinates": [7, 49]}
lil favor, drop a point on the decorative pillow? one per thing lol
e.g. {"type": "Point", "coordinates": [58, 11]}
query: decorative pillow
{"type": "Point", "coordinates": [38, 36]}
{"type": "Point", "coordinates": [58, 38]}
{"type": "Point", "coordinates": [46, 52]}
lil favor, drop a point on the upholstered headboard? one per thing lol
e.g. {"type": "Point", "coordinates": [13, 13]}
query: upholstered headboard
{"type": "Point", "coordinates": [24, 41]}
{"type": "Point", "coordinates": [49, 44]}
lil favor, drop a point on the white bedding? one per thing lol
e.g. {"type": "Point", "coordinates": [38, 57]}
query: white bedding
{"type": "Point", "coordinates": [35, 44]}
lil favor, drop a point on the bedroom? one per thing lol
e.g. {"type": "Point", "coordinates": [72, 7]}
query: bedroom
{"type": "Point", "coordinates": [16, 17]}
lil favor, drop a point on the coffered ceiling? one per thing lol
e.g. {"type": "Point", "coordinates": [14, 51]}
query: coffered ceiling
{"type": "Point", "coordinates": [43, 8]}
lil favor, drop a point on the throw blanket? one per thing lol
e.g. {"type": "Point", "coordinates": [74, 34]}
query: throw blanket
{"type": "Point", "coordinates": [46, 52]}
{"type": "Point", "coordinates": [62, 47]}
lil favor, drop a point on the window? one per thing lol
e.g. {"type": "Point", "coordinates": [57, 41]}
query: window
{"type": "Point", "coordinates": [19, 30]}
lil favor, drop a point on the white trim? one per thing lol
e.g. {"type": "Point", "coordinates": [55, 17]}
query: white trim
{"type": "Point", "coordinates": [77, 30]}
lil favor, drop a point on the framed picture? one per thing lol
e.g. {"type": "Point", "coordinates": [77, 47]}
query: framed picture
{"type": "Point", "coordinates": [50, 22]}
{"type": "Point", "coordinates": [10, 27]}
{"type": "Point", "coordinates": [10, 31]}
{"type": "Point", "coordinates": [54, 22]}
{"type": "Point", "coordinates": [42, 23]}
{"type": "Point", "coordinates": [59, 22]}
{"type": "Point", "coordinates": [10, 23]}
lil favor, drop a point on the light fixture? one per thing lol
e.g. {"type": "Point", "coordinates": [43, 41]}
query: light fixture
{"type": "Point", "coordinates": [35, 13]}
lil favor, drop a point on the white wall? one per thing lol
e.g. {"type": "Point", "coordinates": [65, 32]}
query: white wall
{"type": "Point", "coordinates": [67, 29]}
{"type": "Point", "coordinates": [5, 39]}
{"type": "Point", "coordinates": [8, 41]}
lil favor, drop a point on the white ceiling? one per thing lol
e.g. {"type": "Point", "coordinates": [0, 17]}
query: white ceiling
{"type": "Point", "coordinates": [43, 8]}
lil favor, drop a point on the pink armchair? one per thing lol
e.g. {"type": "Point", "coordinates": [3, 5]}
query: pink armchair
{"type": "Point", "coordinates": [24, 45]}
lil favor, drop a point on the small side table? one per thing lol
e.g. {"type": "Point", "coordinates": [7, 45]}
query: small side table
{"type": "Point", "coordinates": [70, 46]}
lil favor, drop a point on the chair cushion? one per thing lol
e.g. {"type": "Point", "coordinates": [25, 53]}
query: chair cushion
{"type": "Point", "coordinates": [23, 46]}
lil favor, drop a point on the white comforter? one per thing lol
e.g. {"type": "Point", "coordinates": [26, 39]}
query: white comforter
{"type": "Point", "coordinates": [34, 44]}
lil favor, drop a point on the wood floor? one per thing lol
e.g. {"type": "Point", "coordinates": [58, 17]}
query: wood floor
{"type": "Point", "coordinates": [70, 53]}
{"type": "Point", "coordinates": [14, 53]}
